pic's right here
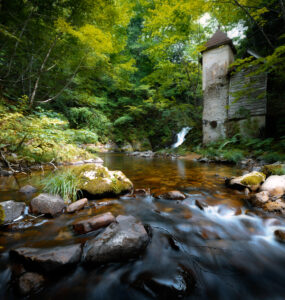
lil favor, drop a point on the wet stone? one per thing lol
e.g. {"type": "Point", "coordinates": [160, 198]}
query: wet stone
{"type": "Point", "coordinates": [48, 259]}
{"type": "Point", "coordinates": [27, 189]}
{"type": "Point", "coordinates": [94, 223]}
{"type": "Point", "coordinates": [50, 205]}
{"type": "Point", "coordinates": [173, 195]}
{"type": "Point", "coordinates": [280, 235]}
{"type": "Point", "coordinates": [200, 204]}
{"type": "Point", "coordinates": [12, 210]}
{"type": "Point", "coordinates": [30, 283]}
{"type": "Point", "coordinates": [277, 206]}
{"type": "Point", "coordinates": [167, 286]}
{"type": "Point", "coordinates": [141, 192]}
{"type": "Point", "coordinates": [77, 205]}
{"type": "Point", "coordinates": [119, 241]}
{"type": "Point", "coordinates": [260, 198]}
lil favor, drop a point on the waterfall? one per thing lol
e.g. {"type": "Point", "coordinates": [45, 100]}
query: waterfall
{"type": "Point", "coordinates": [181, 137]}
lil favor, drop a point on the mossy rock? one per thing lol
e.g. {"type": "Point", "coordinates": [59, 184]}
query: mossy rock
{"type": "Point", "coordinates": [269, 170]}
{"type": "Point", "coordinates": [2, 215]}
{"type": "Point", "coordinates": [251, 180]}
{"type": "Point", "coordinates": [98, 181]}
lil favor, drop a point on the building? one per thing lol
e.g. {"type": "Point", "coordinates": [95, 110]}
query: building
{"type": "Point", "coordinates": [234, 102]}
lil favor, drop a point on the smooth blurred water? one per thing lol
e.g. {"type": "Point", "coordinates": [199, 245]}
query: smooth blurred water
{"type": "Point", "coordinates": [227, 250]}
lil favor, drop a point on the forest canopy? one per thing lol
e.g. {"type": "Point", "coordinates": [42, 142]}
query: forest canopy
{"type": "Point", "coordinates": [127, 69]}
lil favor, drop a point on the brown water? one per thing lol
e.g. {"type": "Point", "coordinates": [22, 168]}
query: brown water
{"type": "Point", "coordinates": [229, 247]}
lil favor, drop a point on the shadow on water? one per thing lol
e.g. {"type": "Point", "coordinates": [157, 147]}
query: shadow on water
{"type": "Point", "coordinates": [224, 251]}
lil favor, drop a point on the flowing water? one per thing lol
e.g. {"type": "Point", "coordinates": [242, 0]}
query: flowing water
{"type": "Point", "coordinates": [181, 136]}
{"type": "Point", "coordinates": [226, 251]}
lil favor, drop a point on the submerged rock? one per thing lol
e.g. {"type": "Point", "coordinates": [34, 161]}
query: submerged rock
{"type": "Point", "coordinates": [50, 205]}
{"type": "Point", "coordinates": [119, 241]}
{"type": "Point", "coordinates": [173, 195]}
{"type": "Point", "coordinates": [251, 180]}
{"type": "Point", "coordinates": [11, 210]}
{"type": "Point", "coordinates": [275, 185]}
{"type": "Point", "coordinates": [94, 223]}
{"type": "Point", "coordinates": [27, 189]}
{"type": "Point", "coordinates": [77, 205]}
{"type": "Point", "coordinates": [30, 282]}
{"type": "Point", "coordinates": [48, 260]}
{"type": "Point", "coordinates": [98, 181]}
{"type": "Point", "coordinates": [167, 286]}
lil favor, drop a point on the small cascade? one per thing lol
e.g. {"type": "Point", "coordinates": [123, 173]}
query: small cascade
{"type": "Point", "coordinates": [181, 137]}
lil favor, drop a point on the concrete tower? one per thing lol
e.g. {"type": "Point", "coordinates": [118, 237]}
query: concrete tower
{"type": "Point", "coordinates": [217, 57]}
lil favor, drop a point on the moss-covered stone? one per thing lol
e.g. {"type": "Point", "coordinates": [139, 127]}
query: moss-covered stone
{"type": "Point", "coordinates": [2, 215]}
{"type": "Point", "coordinates": [98, 180]}
{"type": "Point", "coordinates": [254, 178]}
{"type": "Point", "coordinates": [269, 170]}
{"type": "Point", "coordinates": [251, 180]}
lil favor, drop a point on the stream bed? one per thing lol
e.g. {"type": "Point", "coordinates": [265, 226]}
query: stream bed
{"type": "Point", "coordinates": [226, 250]}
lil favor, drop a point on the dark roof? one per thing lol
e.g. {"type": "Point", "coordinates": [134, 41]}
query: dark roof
{"type": "Point", "coordinates": [218, 39]}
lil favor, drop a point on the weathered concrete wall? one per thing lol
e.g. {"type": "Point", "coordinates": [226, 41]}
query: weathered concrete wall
{"type": "Point", "coordinates": [247, 95]}
{"type": "Point", "coordinates": [216, 90]}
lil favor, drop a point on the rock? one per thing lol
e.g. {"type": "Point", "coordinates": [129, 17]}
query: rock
{"type": "Point", "coordinates": [111, 147]}
{"type": "Point", "coordinates": [119, 241]}
{"type": "Point", "coordinates": [50, 205]}
{"type": "Point", "coordinates": [126, 147]}
{"type": "Point", "coordinates": [275, 206]}
{"type": "Point", "coordinates": [167, 286]}
{"type": "Point", "coordinates": [280, 235]}
{"type": "Point", "coordinates": [30, 283]}
{"type": "Point", "coordinates": [94, 223]}
{"type": "Point", "coordinates": [98, 181]}
{"type": "Point", "coordinates": [173, 195]}
{"type": "Point", "coordinates": [141, 145]}
{"type": "Point", "coordinates": [77, 205]}
{"type": "Point", "coordinates": [260, 198]}
{"type": "Point", "coordinates": [11, 210]}
{"type": "Point", "coordinates": [200, 204]}
{"type": "Point", "coordinates": [49, 259]}
{"type": "Point", "coordinates": [5, 173]}
{"type": "Point", "coordinates": [27, 189]}
{"type": "Point", "coordinates": [96, 160]}
{"type": "Point", "coordinates": [275, 185]}
{"type": "Point", "coordinates": [251, 180]}
{"type": "Point", "coordinates": [274, 169]}
{"type": "Point", "coordinates": [141, 192]}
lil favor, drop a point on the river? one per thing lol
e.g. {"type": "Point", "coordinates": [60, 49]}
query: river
{"type": "Point", "coordinates": [225, 251]}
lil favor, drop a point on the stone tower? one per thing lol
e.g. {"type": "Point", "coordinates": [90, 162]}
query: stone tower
{"type": "Point", "coordinates": [217, 57]}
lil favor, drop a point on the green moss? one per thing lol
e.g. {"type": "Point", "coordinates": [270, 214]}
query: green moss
{"type": "Point", "coordinates": [253, 179]}
{"type": "Point", "coordinates": [98, 180]}
{"type": "Point", "coordinates": [2, 215]}
{"type": "Point", "coordinates": [273, 170]}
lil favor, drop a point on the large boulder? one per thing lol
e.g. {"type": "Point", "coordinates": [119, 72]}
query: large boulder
{"type": "Point", "coordinates": [94, 223]}
{"type": "Point", "coordinates": [11, 210]}
{"type": "Point", "coordinates": [251, 180]}
{"type": "Point", "coordinates": [47, 204]}
{"type": "Point", "coordinates": [275, 185]}
{"type": "Point", "coordinates": [119, 241]}
{"type": "Point", "coordinates": [277, 206]}
{"type": "Point", "coordinates": [49, 259]}
{"type": "Point", "coordinates": [98, 181]}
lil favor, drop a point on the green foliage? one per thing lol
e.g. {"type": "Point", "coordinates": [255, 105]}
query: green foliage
{"type": "Point", "coordinates": [63, 183]}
